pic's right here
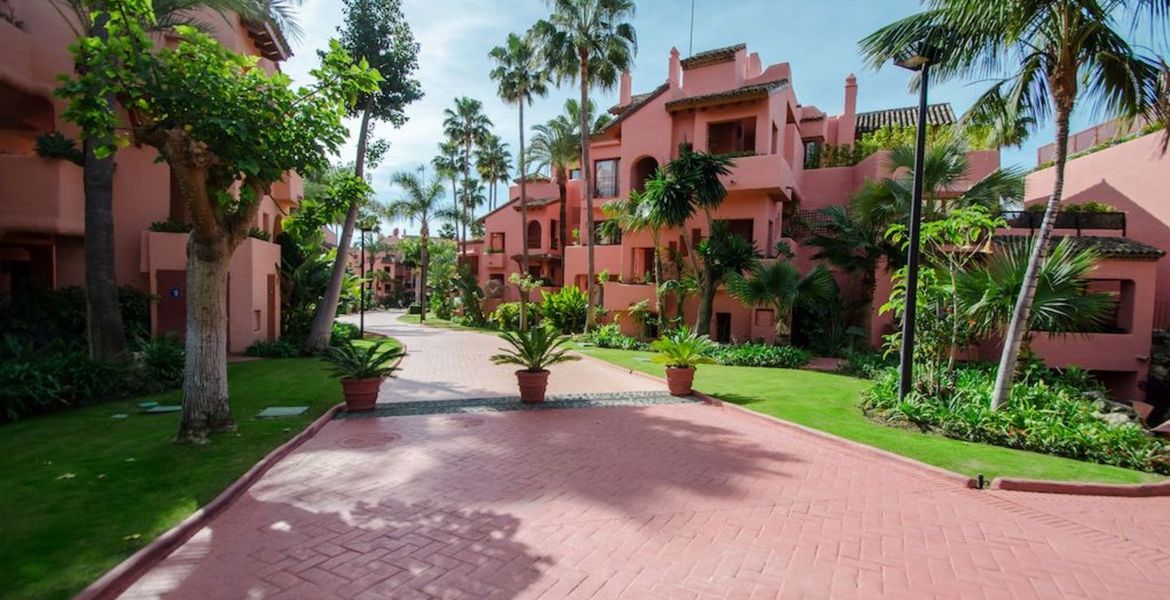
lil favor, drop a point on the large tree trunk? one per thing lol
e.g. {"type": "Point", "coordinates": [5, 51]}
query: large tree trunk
{"type": "Point", "coordinates": [562, 226]}
{"type": "Point", "coordinates": [322, 330]}
{"type": "Point", "coordinates": [104, 328]}
{"type": "Point", "coordinates": [1018, 328]}
{"type": "Point", "coordinates": [587, 188]}
{"type": "Point", "coordinates": [523, 227]}
{"type": "Point", "coordinates": [706, 301]}
{"type": "Point", "coordinates": [205, 386]}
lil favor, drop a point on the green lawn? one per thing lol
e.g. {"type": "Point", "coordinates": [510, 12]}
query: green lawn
{"type": "Point", "coordinates": [433, 321]}
{"type": "Point", "coordinates": [829, 403]}
{"type": "Point", "coordinates": [82, 491]}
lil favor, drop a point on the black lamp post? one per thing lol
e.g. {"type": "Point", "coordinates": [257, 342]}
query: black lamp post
{"type": "Point", "coordinates": [362, 296]}
{"type": "Point", "coordinates": [919, 61]}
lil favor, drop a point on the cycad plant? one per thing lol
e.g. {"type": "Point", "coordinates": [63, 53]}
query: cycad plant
{"type": "Point", "coordinates": [535, 349]}
{"type": "Point", "coordinates": [372, 360]}
{"type": "Point", "coordinates": [683, 349]}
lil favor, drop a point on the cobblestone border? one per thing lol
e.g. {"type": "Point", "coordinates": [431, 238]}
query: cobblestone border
{"type": "Point", "coordinates": [513, 403]}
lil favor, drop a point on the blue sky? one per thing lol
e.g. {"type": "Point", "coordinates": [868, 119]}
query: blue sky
{"type": "Point", "coordinates": [818, 39]}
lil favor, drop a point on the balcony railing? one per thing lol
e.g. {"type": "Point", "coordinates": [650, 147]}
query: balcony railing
{"type": "Point", "coordinates": [1080, 221]}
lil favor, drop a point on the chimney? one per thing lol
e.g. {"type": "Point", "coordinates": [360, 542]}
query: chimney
{"type": "Point", "coordinates": [626, 93]}
{"type": "Point", "coordinates": [851, 95]}
{"type": "Point", "coordinates": [847, 125]}
{"type": "Point", "coordinates": [674, 70]}
{"type": "Point", "coordinates": [754, 65]}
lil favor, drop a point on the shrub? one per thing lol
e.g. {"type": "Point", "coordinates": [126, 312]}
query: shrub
{"type": "Point", "coordinates": [506, 317]}
{"type": "Point", "coordinates": [259, 234]}
{"type": "Point", "coordinates": [42, 316]}
{"type": "Point", "coordinates": [610, 336]}
{"type": "Point", "coordinates": [37, 380]}
{"type": "Point", "coordinates": [866, 364]}
{"type": "Point", "coordinates": [170, 226]}
{"type": "Point", "coordinates": [281, 348]}
{"type": "Point", "coordinates": [762, 355]}
{"type": "Point", "coordinates": [1048, 412]}
{"type": "Point", "coordinates": [344, 332]}
{"type": "Point", "coordinates": [566, 309]}
{"type": "Point", "coordinates": [159, 364]}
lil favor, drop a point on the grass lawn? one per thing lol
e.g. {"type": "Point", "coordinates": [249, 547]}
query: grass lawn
{"type": "Point", "coordinates": [830, 402]}
{"type": "Point", "coordinates": [433, 321]}
{"type": "Point", "coordinates": [82, 491]}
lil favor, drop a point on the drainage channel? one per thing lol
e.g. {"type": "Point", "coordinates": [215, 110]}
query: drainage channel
{"type": "Point", "coordinates": [513, 403]}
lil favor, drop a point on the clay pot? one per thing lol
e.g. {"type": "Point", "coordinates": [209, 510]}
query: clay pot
{"type": "Point", "coordinates": [532, 385]}
{"type": "Point", "coordinates": [679, 380]}
{"type": "Point", "coordinates": [360, 394]}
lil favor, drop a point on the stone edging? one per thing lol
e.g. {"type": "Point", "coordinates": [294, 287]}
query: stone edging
{"type": "Point", "coordinates": [121, 577]}
{"type": "Point", "coordinates": [1128, 490]}
{"type": "Point", "coordinates": [961, 480]}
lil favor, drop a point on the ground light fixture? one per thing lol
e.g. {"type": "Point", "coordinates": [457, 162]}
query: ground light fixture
{"type": "Point", "coordinates": [919, 61]}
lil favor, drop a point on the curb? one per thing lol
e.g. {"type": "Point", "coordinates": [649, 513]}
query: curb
{"type": "Point", "coordinates": [962, 480]}
{"type": "Point", "coordinates": [1139, 490]}
{"type": "Point", "coordinates": [121, 577]}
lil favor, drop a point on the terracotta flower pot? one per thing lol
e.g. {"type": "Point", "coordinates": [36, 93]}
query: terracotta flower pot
{"type": "Point", "coordinates": [360, 394]}
{"type": "Point", "coordinates": [679, 380]}
{"type": "Point", "coordinates": [532, 385]}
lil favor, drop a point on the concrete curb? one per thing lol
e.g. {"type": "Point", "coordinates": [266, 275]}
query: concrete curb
{"type": "Point", "coordinates": [1139, 490]}
{"type": "Point", "coordinates": [121, 577]}
{"type": "Point", "coordinates": [958, 479]}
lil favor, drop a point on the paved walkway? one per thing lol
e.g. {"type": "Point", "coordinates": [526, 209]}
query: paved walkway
{"type": "Point", "coordinates": [665, 501]}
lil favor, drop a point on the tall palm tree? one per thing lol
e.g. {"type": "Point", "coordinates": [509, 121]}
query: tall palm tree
{"type": "Point", "coordinates": [419, 202]}
{"type": "Point", "coordinates": [448, 163]}
{"type": "Point", "coordinates": [639, 213]}
{"type": "Point", "coordinates": [492, 160]}
{"type": "Point", "coordinates": [520, 77]}
{"type": "Point", "coordinates": [1063, 303]}
{"type": "Point", "coordinates": [780, 286]}
{"type": "Point", "coordinates": [590, 42]}
{"type": "Point", "coordinates": [105, 335]}
{"type": "Point", "coordinates": [1046, 57]}
{"type": "Point", "coordinates": [467, 124]}
{"type": "Point", "coordinates": [556, 146]}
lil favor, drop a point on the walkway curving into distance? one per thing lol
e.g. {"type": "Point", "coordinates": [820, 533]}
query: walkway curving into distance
{"type": "Point", "coordinates": [642, 502]}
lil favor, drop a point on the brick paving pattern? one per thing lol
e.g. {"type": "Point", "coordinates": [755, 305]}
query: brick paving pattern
{"type": "Point", "coordinates": [643, 502]}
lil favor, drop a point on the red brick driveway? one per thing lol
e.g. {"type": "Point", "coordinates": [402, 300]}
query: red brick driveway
{"type": "Point", "coordinates": [668, 501]}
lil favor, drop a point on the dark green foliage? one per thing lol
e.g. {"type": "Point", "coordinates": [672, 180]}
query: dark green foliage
{"type": "Point", "coordinates": [363, 361]}
{"type": "Point", "coordinates": [610, 336]}
{"type": "Point", "coordinates": [1052, 413]}
{"type": "Point", "coordinates": [565, 310]}
{"type": "Point", "coordinates": [344, 332]}
{"type": "Point", "coordinates": [471, 296]}
{"type": "Point", "coordinates": [866, 364]}
{"type": "Point", "coordinates": [159, 364]}
{"type": "Point", "coordinates": [259, 234]}
{"type": "Point", "coordinates": [277, 349]}
{"type": "Point", "coordinates": [506, 317]}
{"type": "Point", "coordinates": [762, 355]}
{"type": "Point", "coordinates": [42, 316]}
{"type": "Point", "coordinates": [170, 226]}
{"type": "Point", "coordinates": [36, 380]}
{"type": "Point", "coordinates": [56, 145]}
{"type": "Point", "coordinates": [535, 349]}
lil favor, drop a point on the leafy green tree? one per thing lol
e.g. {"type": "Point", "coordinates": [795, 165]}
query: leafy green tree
{"type": "Point", "coordinates": [376, 32]}
{"type": "Point", "coordinates": [639, 213]}
{"type": "Point", "coordinates": [227, 141]}
{"type": "Point", "coordinates": [779, 285]}
{"type": "Point", "coordinates": [467, 125]}
{"type": "Point", "coordinates": [724, 255]}
{"type": "Point", "coordinates": [590, 42]}
{"type": "Point", "coordinates": [520, 76]}
{"type": "Point", "coordinates": [1044, 58]}
{"type": "Point", "coordinates": [419, 202]}
{"type": "Point", "coordinates": [124, 20]}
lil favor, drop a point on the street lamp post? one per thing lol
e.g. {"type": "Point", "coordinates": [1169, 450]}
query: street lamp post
{"type": "Point", "coordinates": [917, 61]}
{"type": "Point", "coordinates": [362, 296]}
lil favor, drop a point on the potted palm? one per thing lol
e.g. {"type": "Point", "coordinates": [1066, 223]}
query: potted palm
{"type": "Point", "coordinates": [681, 351]}
{"type": "Point", "coordinates": [362, 367]}
{"type": "Point", "coordinates": [534, 349]}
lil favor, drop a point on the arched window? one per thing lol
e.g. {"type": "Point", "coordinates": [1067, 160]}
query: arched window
{"type": "Point", "coordinates": [534, 234]}
{"type": "Point", "coordinates": [643, 170]}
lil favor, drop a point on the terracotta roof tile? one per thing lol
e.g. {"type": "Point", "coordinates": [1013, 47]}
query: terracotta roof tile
{"type": "Point", "coordinates": [1107, 247]}
{"type": "Point", "coordinates": [936, 114]}
{"type": "Point", "coordinates": [710, 57]}
{"type": "Point", "coordinates": [747, 92]}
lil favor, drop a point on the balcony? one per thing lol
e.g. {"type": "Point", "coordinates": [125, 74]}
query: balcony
{"type": "Point", "coordinates": [41, 195]}
{"type": "Point", "coordinates": [1080, 221]}
{"type": "Point", "coordinates": [620, 296]}
{"type": "Point", "coordinates": [494, 259]}
{"type": "Point", "coordinates": [759, 172]}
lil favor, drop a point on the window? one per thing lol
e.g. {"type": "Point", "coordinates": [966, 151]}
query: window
{"type": "Point", "coordinates": [554, 235]}
{"type": "Point", "coordinates": [732, 137]}
{"type": "Point", "coordinates": [575, 174]}
{"type": "Point", "coordinates": [741, 227]}
{"type": "Point", "coordinates": [812, 154]}
{"type": "Point", "coordinates": [605, 173]}
{"type": "Point", "coordinates": [497, 242]}
{"type": "Point", "coordinates": [534, 234]}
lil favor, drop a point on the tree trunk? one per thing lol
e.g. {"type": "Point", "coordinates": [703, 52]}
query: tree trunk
{"type": "Point", "coordinates": [205, 387]}
{"type": "Point", "coordinates": [562, 189]}
{"type": "Point", "coordinates": [322, 330]}
{"type": "Point", "coordinates": [104, 329]}
{"type": "Point", "coordinates": [424, 270]}
{"type": "Point", "coordinates": [658, 308]}
{"type": "Point", "coordinates": [587, 188]}
{"type": "Point", "coordinates": [1018, 328]}
{"type": "Point", "coordinates": [707, 300]}
{"type": "Point", "coordinates": [523, 227]}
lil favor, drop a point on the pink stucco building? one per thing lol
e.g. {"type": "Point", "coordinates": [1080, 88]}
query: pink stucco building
{"type": "Point", "coordinates": [726, 101]}
{"type": "Point", "coordinates": [42, 220]}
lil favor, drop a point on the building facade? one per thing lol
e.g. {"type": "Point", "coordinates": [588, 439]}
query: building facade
{"type": "Point", "coordinates": [42, 204]}
{"type": "Point", "coordinates": [726, 101]}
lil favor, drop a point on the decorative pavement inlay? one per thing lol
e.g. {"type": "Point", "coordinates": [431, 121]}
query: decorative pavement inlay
{"type": "Point", "coordinates": [509, 403]}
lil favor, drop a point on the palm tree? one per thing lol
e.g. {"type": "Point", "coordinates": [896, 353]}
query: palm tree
{"type": "Point", "coordinates": [1045, 57]}
{"type": "Point", "coordinates": [466, 124]}
{"type": "Point", "coordinates": [725, 255]}
{"type": "Point", "coordinates": [105, 335]}
{"type": "Point", "coordinates": [590, 42]}
{"type": "Point", "coordinates": [780, 286]}
{"type": "Point", "coordinates": [1063, 303]}
{"type": "Point", "coordinates": [520, 76]}
{"type": "Point", "coordinates": [639, 213]}
{"type": "Point", "coordinates": [492, 160]}
{"type": "Point", "coordinates": [556, 146]}
{"type": "Point", "coordinates": [420, 201]}
{"type": "Point", "coordinates": [449, 163]}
